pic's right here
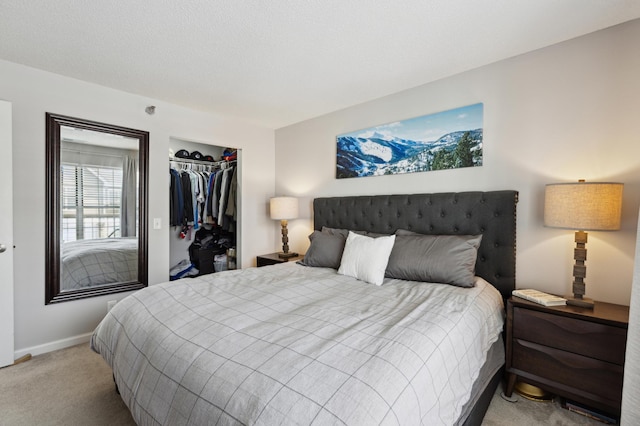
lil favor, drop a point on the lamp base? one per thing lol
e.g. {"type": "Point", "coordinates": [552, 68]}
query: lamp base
{"type": "Point", "coordinates": [287, 255]}
{"type": "Point", "coordinates": [583, 303]}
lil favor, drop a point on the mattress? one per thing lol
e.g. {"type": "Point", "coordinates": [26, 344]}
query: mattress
{"type": "Point", "coordinates": [288, 344]}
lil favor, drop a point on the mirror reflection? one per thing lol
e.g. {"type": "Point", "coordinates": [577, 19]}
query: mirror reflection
{"type": "Point", "coordinates": [96, 185]}
{"type": "Point", "coordinates": [99, 185]}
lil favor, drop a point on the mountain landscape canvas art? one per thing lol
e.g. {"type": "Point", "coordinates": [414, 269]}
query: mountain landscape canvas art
{"type": "Point", "coordinates": [444, 140]}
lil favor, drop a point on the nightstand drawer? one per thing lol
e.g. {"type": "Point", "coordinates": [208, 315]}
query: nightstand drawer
{"type": "Point", "coordinates": [600, 341]}
{"type": "Point", "coordinates": [586, 377]}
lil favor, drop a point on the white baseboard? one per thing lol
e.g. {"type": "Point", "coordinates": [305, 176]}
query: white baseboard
{"type": "Point", "coordinates": [53, 346]}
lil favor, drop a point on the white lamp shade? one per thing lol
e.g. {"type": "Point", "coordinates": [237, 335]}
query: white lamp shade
{"type": "Point", "coordinates": [283, 208]}
{"type": "Point", "coordinates": [583, 206]}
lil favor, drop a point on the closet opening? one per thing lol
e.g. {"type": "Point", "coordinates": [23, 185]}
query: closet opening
{"type": "Point", "coordinates": [204, 204]}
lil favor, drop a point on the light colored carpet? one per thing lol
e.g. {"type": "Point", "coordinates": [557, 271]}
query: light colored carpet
{"type": "Point", "coordinates": [74, 386]}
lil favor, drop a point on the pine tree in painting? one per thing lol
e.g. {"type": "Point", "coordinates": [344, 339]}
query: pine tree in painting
{"type": "Point", "coordinates": [464, 157]}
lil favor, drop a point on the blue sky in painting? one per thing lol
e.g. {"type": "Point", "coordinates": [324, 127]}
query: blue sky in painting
{"type": "Point", "coordinates": [427, 128]}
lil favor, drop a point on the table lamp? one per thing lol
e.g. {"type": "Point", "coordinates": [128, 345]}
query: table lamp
{"type": "Point", "coordinates": [283, 209]}
{"type": "Point", "coordinates": [582, 206]}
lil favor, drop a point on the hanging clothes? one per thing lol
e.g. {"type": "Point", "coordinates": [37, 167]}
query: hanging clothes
{"type": "Point", "coordinates": [188, 197]}
{"type": "Point", "coordinates": [223, 219]}
{"type": "Point", "coordinates": [203, 197]}
{"type": "Point", "coordinates": [176, 201]}
{"type": "Point", "coordinates": [233, 196]}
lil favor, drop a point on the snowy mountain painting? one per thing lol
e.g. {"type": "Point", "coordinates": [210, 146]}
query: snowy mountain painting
{"type": "Point", "coordinates": [445, 140]}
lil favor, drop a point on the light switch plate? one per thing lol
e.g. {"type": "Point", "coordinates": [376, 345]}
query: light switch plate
{"type": "Point", "coordinates": [157, 223]}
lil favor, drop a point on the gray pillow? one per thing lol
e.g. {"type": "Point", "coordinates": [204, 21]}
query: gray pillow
{"type": "Point", "coordinates": [345, 232]}
{"type": "Point", "coordinates": [325, 250]}
{"type": "Point", "coordinates": [338, 231]}
{"type": "Point", "coordinates": [449, 259]}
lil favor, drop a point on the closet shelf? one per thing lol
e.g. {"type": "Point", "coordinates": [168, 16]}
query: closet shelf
{"type": "Point", "coordinates": [202, 162]}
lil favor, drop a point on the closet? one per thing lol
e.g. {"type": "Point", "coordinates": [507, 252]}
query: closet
{"type": "Point", "coordinates": [204, 208]}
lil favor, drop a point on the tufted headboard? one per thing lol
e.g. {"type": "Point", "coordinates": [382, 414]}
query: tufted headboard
{"type": "Point", "coordinates": [492, 214]}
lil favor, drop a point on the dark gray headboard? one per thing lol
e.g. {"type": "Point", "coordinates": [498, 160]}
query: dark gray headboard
{"type": "Point", "coordinates": [492, 214]}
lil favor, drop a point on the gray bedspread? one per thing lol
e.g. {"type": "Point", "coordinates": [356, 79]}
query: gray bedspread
{"type": "Point", "coordinates": [288, 344]}
{"type": "Point", "coordinates": [87, 263]}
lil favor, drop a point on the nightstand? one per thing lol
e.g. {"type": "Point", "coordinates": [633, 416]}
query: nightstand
{"type": "Point", "coordinates": [274, 259]}
{"type": "Point", "coordinates": [574, 352]}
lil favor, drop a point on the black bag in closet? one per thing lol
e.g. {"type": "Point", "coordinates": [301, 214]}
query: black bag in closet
{"type": "Point", "coordinates": [206, 244]}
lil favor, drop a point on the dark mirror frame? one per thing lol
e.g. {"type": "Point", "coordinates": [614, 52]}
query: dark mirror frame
{"type": "Point", "coordinates": [53, 209]}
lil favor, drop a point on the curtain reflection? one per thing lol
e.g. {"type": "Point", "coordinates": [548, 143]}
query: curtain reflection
{"type": "Point", "coordinates": [129, 199]}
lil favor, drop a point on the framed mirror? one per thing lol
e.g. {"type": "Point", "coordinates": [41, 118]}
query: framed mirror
{"type": "Point", "coordinates": [96, 208]}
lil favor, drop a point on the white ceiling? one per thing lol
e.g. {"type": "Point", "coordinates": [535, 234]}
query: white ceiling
{"type": "Point", "coordinates": [278, 62]}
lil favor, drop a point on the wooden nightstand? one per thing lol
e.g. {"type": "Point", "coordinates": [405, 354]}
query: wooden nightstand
{"type": "Point", "coordinates": [574, 352]}
{"type": "Point", "coordinates": [273, 259]}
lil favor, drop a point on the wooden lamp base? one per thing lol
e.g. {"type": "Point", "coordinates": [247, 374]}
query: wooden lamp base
{"type": "Point", "coordinates": [285, 253]}
{"type": "Point", "coordinates": [583, 302]}
{"type": "Point", "coordinates": [579, 273]}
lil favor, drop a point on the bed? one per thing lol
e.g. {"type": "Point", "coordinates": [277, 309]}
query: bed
{"type": "Point", "coordinates": [90, 263]}
{"type": "Point", "coordinates": [311, 344]}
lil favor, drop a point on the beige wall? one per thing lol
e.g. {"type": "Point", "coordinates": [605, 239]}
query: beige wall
{"type": "Point", "coordinates": [558, 114]}
{"type": "Point", "coordinates": [39, 328]}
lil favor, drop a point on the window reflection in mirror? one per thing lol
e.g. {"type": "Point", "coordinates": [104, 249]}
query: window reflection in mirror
{"type": "Point", "coordinates": [98, 182]}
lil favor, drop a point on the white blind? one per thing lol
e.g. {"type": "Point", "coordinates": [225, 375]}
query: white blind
{"type": "Point", "coordinates": [91, 197]}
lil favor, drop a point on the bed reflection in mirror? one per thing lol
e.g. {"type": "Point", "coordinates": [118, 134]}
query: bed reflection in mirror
{"type": "Point", "coordinates": [99, 186]}
{"type": "Point", "coordinates": [96, 211]}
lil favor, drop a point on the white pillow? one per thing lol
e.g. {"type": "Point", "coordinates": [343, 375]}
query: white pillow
{"type": "Point", "coordinates": [366, 258]}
